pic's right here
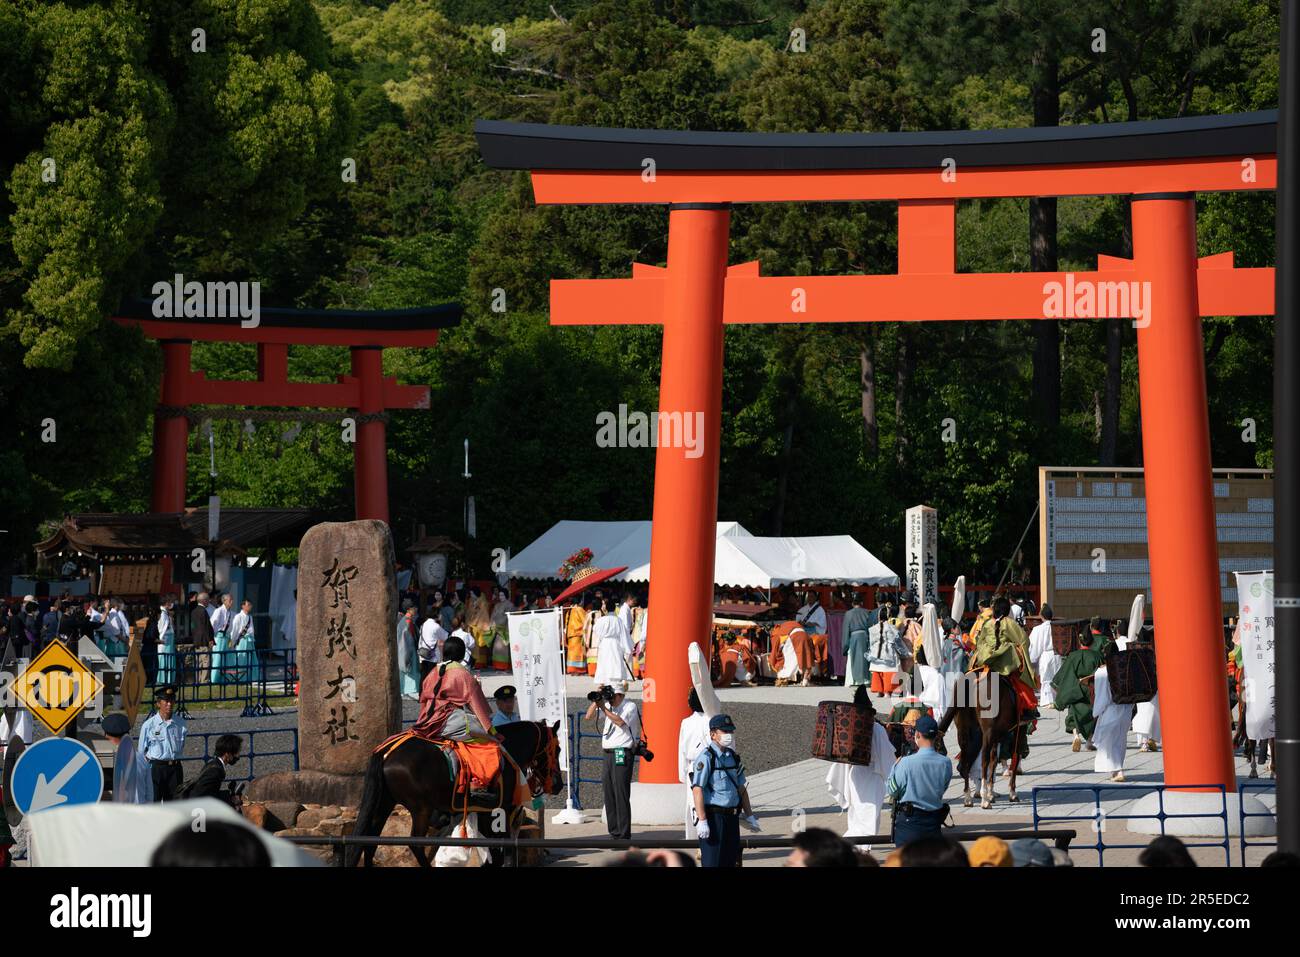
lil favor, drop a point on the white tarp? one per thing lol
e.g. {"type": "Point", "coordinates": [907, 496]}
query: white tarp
{"type": "Point", "coordinates": [109, 834]}
{"type": "Point", "coordinates": [741, 559]}
{"type": "Point", "coordinates": [813, 558]}
{"type": "Point", "coordinates": [612, 544]}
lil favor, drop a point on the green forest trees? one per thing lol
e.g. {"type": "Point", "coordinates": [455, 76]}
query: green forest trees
{"type": "Point", "coordinates": [226, 164]}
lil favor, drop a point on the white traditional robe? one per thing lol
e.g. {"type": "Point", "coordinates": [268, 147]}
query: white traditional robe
{"type": "Point", "coordinates": [1043, 656]}
{"type": "Point", "coordinates": [860, 789]}
{"type": "Point", "coordinates": [613, 649]}
{"type": "Point", "coordinates": [813, 619]}
{"type": "Point", "coordinates": [1146, 722]}
{"type": "Point", "coordinates": [789, 661]}
{"type": "Point", "coordinates": [1111, 734]}
{"type": "Point", "coordinates": [691, 740]}
{"type": "Point", "coordinates": [934, 688]}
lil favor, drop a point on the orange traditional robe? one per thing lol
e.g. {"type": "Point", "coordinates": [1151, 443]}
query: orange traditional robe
{"type": "Point", "coordinates": [575, 645]}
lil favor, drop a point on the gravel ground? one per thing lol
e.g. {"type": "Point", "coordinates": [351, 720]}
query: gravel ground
{"type": "Point", "coordinates": [770, 736]}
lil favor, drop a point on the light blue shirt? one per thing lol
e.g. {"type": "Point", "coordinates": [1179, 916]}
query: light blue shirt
{"type": "Point", "coordinates": [162, 740]}
{"type": "Point", "coordinates": [500, 717]}
{"type": "Point", "coordinates": [921, 779]}
{"type": "Point", "coordinates": [720, 775]}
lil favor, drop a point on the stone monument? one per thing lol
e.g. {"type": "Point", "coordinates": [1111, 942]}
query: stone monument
{"type": "Point", "coordinates": [348, 693]}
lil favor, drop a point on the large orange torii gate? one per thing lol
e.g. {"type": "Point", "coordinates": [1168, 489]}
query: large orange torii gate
{"type": "Point", "coordinates": [1160, 164]}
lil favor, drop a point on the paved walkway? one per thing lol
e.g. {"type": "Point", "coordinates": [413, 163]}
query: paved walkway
{"type": "Point", "coordinates": [796, 794]}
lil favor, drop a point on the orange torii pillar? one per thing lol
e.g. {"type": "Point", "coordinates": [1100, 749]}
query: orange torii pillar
{"type": "Point", "coordinates": [1183, 543]}
{"type": "Point", "coordinates": [684, 527]}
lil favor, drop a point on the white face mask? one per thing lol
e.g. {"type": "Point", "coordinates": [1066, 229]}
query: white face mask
{"type": "Point", "coordinates": [726, 740]}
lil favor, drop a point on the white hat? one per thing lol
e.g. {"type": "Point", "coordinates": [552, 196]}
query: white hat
{"type": "Point", "coordinates": [618, 686]}
{"type": "Point", "coordinates": [27, 598]}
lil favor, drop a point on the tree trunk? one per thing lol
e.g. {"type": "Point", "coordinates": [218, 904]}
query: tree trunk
{"type": "Point", "coordinates": [867, 359]}
{"type": "Point", "coordinates": [902, 383]}
{"type": "Point", "coordinates": [1042, 257]}
{"type": "Point", "coordinates": [787, 457]}
{"type": "Point", "coordinates": [1109, 447]}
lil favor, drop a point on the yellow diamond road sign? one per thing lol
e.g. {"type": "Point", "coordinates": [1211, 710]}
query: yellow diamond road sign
{"type": "Point", "coordinates": [56, 686]}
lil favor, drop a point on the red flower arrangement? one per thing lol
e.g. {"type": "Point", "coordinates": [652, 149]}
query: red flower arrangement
{"type": "Point", "coordinates": [578, 560]}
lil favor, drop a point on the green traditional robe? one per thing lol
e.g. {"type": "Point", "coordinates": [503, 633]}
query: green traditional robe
{"type": "Point", "coordinates": [1071, 695]}
{"type": "Point", "coordinates": [1002, 646]}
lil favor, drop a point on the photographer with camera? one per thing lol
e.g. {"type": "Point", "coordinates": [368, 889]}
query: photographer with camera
{"type": "Point", "coordinates": [621, 742]}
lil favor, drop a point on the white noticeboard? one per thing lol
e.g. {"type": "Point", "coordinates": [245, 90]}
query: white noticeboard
{"type": "Point", "coordinates": [923, 553]}
{"type": "Point", "coordinates": [537, 661]}
{"type": "Point", "coordinates": [1255, 602]}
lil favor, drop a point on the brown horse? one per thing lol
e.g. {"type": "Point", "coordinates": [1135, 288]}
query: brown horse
{"type": "Point", "coordinates": [417, 776]}
{"type": "Point", "coordinates": [987, 712]}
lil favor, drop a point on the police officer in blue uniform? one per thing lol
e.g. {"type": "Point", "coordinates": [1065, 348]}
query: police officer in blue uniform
{"type": "Point", "coordinates": [162, 741]}
{"type": "Point", "coordinates": [917, 785]}
{"type": "Point", "coordinates": [506, 702]}
{"type": "Point", "coordinates": [721, 797]}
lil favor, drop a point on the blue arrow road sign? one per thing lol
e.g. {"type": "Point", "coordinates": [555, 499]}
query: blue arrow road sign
{"type": "Point", "coordinates": [55, 772]}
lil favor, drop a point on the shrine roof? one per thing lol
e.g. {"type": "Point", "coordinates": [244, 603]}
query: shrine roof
{"type": "Point", "coordinates": [539, 146]}
{"type": "Point", "coordinates": [106, 535]}
{"type": "Point", "coordinates": [348, 327]}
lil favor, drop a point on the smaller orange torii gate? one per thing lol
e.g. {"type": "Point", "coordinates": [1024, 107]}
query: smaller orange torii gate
{"type": "Point", "coordinates": [698, 175]}
{"type": "Point", "coordinates": [367, 390]}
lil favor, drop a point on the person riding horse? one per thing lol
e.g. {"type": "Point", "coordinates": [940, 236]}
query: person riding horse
{"type": "Point", "coordinates": [452, 704]}
{"type": "Point", "coordinates": [1002, 646]}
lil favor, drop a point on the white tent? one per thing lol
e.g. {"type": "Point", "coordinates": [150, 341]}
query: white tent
{"type": "Point", "coordinates": [741, 558]}
{"type": "Point", "coordinates": [781, 561]}
{"type": "Point", "coordinates": [612, 544]}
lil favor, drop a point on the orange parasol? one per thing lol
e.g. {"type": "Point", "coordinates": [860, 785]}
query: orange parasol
{"type": "Point", "coordinates": [586, 577]}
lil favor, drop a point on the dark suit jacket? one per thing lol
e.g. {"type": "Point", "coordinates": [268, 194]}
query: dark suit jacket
{"type": "Point", "coordinates": [209, 781]}
{"type": "Point", "coordinates": [201, 627]}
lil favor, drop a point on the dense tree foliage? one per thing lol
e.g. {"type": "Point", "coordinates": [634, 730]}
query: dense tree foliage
{"type": "Point", "coordinates": [225, 164]}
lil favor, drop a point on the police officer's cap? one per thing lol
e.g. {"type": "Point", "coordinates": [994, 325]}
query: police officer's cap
{"type": "Point", "coordinates": [166, 693]}
{"type": "Point", "coordinates": [504, 693]}
{"type": "Point", "coordinates": [116, 725]}
{"type": "Point", "coordinates": [927, 726]}
{"type": "Point", "coordinates": [721, 722]}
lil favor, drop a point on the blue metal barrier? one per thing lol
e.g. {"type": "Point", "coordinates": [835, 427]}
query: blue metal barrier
{"type": "Point", "coordinates": [250, 678]}
{"type": "Point", "coordinates": [1244, 788]}
{"type": "Point", "coordinates": [1099, 816]}
{"type": "Point", "coordinates": [249, 753]}
{"type": "Point", "coordinates": [576, 734]}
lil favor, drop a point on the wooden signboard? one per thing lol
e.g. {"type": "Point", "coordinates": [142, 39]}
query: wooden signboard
{"type": "Point", "coordinates": [1092, 525]}
{"type": "Point", "coordinates": [131, 580]}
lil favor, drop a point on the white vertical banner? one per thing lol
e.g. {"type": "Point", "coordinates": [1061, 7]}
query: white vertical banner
{"type": "Point", "coordinates": [1255, 605]}
{"type": "Point", "coordinates": [923, 553]}
{"type": "Point", "coordinates": [537, 662]}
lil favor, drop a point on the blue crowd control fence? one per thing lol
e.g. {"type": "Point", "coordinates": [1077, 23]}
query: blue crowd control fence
{"type": "Point", "coordinates": [252, 679]}
{"type": "Point", "coordinates": [1048, 798]}
{"type": "Point", "coordinates": [576, 758]}
{"type": "Point", "coordinates": [259, 744]}
{"type": "Point", "coordinates": [1245, 788]}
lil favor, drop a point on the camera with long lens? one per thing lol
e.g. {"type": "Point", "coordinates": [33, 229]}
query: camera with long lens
{"type": "Point", "coordinates": [642, 750]}
{"type": "Point", "coordinates": [604, 693]}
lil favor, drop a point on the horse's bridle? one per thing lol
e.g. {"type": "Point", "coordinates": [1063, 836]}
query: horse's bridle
{"type": "Point", "coordinates": [548, 746]}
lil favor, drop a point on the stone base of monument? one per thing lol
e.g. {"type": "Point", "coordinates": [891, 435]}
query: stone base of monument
{"type": "Point", "coordinates": [657, 804]}
{"type": "Point", "coordinates": [307, 787]}
{"type": "Point", "coordinates": [1211, 805]}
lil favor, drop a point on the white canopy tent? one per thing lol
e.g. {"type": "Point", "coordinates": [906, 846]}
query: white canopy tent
{"type": "Point", "coordinates": [612, 544]}
{"type": "Point", "coordinates": [782, 561]}
{"type": "Point", "coordinates": [742, 559]}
